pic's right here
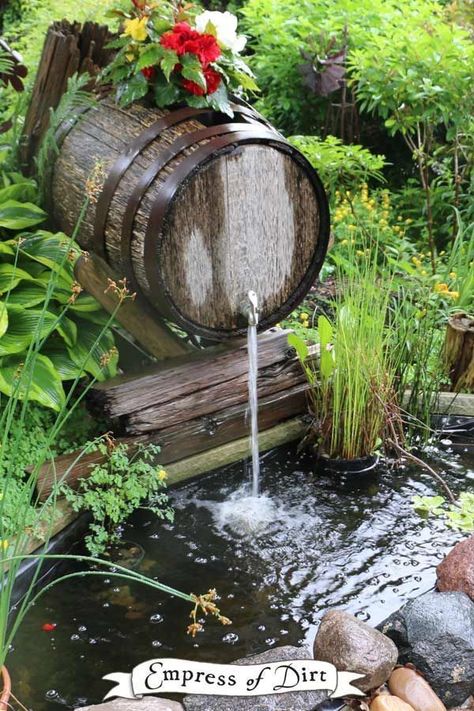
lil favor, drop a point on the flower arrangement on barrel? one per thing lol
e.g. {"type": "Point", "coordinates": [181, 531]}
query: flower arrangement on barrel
{"type": "Point", "coordinates": [179, 54]}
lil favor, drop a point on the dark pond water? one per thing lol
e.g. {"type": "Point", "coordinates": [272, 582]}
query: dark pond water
{"type": "Point", "coordinates": [315, 543]}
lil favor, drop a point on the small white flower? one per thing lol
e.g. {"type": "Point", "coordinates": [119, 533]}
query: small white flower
{"type": "Point", "coordinates": [225, 27]}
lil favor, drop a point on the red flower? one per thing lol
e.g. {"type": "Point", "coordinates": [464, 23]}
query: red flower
{"type": "Point", "coordinates": [213, 80]}
{"type": "Point", "coordinates": [49, 626]}
{"type": "Point", "coordinates": [149, 73]}
{"type": "Point", "coordinates": [182, 39]}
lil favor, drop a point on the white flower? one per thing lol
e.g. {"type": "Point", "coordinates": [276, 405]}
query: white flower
{"type": "Point", "coordinates": [224, 25]}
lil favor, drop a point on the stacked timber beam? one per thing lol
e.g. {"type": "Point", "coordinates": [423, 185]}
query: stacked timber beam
{"type": "Point", "coordinates": [192, 404]}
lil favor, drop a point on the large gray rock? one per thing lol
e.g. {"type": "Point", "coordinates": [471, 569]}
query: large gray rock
{"type": "Point", "coordinates": [448, 664]}
{"type": "Point", "coordinates": [352, 645]}
{"type": "Point", "coordinates": [429, 616]}
{"type": "Point", "coordinates": [436, 633]}
{"type": "Point", "coordinates": [303, 700]}
{"type": "Point", "coordinates": [148, 703]}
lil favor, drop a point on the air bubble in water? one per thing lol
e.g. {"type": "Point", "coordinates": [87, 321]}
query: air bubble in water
{"type": "Point", "coordinates": [156, 619]}
{"type": "Point", "coordinates": [230, 638]}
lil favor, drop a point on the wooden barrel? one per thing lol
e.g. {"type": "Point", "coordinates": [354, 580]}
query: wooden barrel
{"type": "Point", "coordinates": [196, 210]}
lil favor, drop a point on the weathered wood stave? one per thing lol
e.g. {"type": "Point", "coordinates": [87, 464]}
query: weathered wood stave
{"type": "Point", "coordinates": [153, 160]}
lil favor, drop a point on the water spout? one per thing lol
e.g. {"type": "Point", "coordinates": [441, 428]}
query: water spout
{"type": "Point", "coordinates": [250, 310]}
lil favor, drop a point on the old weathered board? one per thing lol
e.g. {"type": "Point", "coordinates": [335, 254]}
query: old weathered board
{"type": "Point", "coordinates": [459, 352]}
{"type": "Point", "coordinates": [196, 385]}
{"type": "Point", "coordinates": [196, 210]}
{"type": "Point", "coordinates": [68, 48]}
{"type": "Point", "coordinates": [198, 435]}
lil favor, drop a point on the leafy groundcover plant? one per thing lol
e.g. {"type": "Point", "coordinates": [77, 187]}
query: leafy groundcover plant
{"type": "Point", "coordinates": [123, 483]}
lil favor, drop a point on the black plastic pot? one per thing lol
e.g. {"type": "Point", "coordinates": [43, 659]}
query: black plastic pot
{"type": "Point", "coordinates": [350, 467]}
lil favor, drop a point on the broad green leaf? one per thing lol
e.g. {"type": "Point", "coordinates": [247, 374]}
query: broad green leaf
{"type": "Point", "coordinates": [132, 89]}
{"type": "Point", "coordinates": [191, 69]}
{"type": "Point", "coordinates": [50, 249]}
{"type": "Point", "coordinates": [63, 363]}
{"type": "Point", "coordinates": [245, 81]}
{"type": "Point", "coordinates": [68, 330]}
{"type": "Point", "coordinates": [299, 345]}
{"type": "Point", "coordinates": [151, 55]}
{"type": "Point", "coordinates": [166, 94]}
{"type": "Point", "coordinates": [219, 101]}
{"type": "Point", "coordinates": [3, 318]}
{"type": "Point", "coordinates": [10, 277]}
{"type": "Point", "coordinates": [92, 349]}
{"type": "Point", "coordinates": [27, 294]}
{"type": "Point", "coordinates": [326, 359]}
{"type": "Point", "coordinates": [85, 303]}
{"type": "Point", "coordinates": [25, 191]}
{"type": "Point", "coordinates": [41, 383]}
{"type": "Point", "coordinates": [24, 326]}
{"type": "Point", "coordinates": [15, 215]}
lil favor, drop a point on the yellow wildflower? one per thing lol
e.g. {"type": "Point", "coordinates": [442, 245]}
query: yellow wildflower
{"type": "Point", "coordinates": [304, 316]}
{"type": "Point", "coordinates": [130, 57]}
{"type": "Point", "coordinates": [441, 288]}
{"type": "Point", "coordinates": [452, 294]}
{"type": "Point", "coordinates": [4, 544]}
{"type": "Point", "coordinates": [360, 253]}
{"type": "Point", "coordinates": [423, 272]}
{"type": "Point", "coordinates": [453, 275]}
{"type": "Point", "coordinates": [408, 221]}
{"type": "Point", "coordinates": [345, 241]}
{"type": "Point", "coordinates": [136, 29]}
{"type": "Point", "coordinates": [416, 261]}
{"type": "Point", "coordinates": [162, 475]}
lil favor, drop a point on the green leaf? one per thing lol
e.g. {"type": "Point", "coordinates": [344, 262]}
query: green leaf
{"type": "Point", "coordinates": [3, 318]}
{"type": "Point", "coordinates": [219, 100]}
{"type": "Point", "coordinates": [62, 362]}
{"type": "Point", "coordinates": [326, 362]}
{"type": "Point", "coordinates": [151, 55]}
{"type": "Point", "coordinates": [132, 90]}
{"type": "Point", "coordinates": [166, 94]}
{"type": "Point", "coordinates": [24, 326]}
{"type": "Point", "coordinates": [192, 70]}
{"type": "Point", "coordinates": [92, 345]}
{"type": "Point", "coordinates": [67, 329]}
{"type": "Point", "coordinates": [15, 215]}
{"type": "Point", "coordinates": [27, 294]}
{"type": "Point", "coordinates": [299, 345]}
{"type": "Point", "coordinates": [49, 249]}
{"type": "Point", "coordinates": [245, 81]}
{"type": "Point", "coordinates": [41, 384]}
{"type": "Point", "coordinates": [10, 277]}
{"type": "Point", "coordinates": [25, 191]}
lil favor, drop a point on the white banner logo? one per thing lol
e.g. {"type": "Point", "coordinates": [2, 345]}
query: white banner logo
{"type": "Point", "coordinates": [180, 676]}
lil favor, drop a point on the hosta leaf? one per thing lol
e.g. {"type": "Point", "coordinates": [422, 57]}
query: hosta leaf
{"type": "Point", "coordinates": [92, 348]}
{"type": "Point", "coordinates": [50, 249]}
{"type": "Point", "coordinates": [24, 326]}
{"type": "Point", "coordinates": [68, 330]}
{"type": "Point", "coordinates": [27, 294]}
{"type": "Point", "coordinates": [10, 277]}
{"type": "Point", "coordinates": [16, 215]}
{"type": "Point", "coordinates": [63, 363]}
{"type": "Point", "coordinates": [3, 318]}
{"type": "Point", "coordinates": [85, 303]}
{"type": "Point", "coordinates": [41, 383]}
{"type": "Point", "coordinates": [325, 338]}
{"type": "Point", "coordinates": [25, 191]}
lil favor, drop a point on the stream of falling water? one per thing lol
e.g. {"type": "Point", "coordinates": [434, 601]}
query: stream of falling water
{"type": "Point", "coordinates": [253, 405]}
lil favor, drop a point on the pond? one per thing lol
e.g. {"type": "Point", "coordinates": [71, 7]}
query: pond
{"type": "Point", "coordinates": [313, 543]}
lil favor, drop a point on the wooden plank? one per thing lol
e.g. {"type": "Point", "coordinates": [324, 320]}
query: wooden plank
{"type": "Point", "coordinates": [213, 399]}
{"type": "Point", "coordinates": [169, 381]}
{"type": "Point", "coordinates": [94, 275]}
{"type": "Point", "coordinates": [234, 451]}
{"type": "Point", "coordinates": [457, 404]}
{"type": "Point", "coordinates": [199, 435]}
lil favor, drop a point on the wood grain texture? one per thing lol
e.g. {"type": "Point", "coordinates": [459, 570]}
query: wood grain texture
{"type": "Point", "coordinates": [201, 434]}
{"type": "Point", "coordinates": [250, 216]}
{"type": "Point", "coordinates": [173, 380]}
{"type": "Point", "coordinates": [68, 48]}
{"type": "Point", "coordinates": [133, 314]}
{"type": "Point", "coordinates": [459, 352]}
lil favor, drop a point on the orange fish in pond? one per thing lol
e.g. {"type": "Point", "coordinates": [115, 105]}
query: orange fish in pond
{"type": "Point", "coordinates": [49, 626]}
